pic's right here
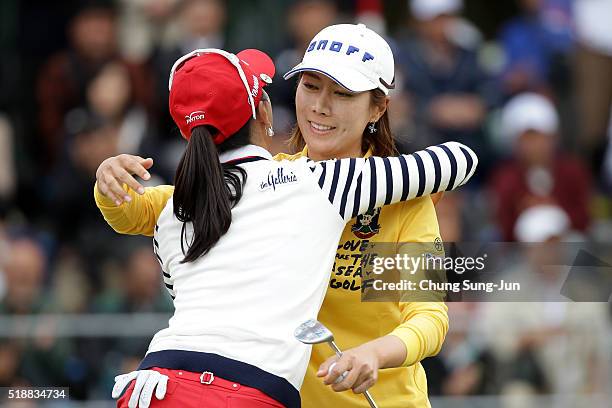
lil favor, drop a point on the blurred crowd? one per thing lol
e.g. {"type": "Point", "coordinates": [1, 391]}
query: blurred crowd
{"type": "Point", "coordinates": [525, 83]}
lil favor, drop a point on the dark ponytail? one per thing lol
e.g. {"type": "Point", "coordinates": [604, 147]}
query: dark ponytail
{"type": "Point", "coordinates": [205, 191]}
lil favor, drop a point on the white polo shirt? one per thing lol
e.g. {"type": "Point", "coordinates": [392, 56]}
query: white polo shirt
{"type": "Point", "coordinates": [236, 308]}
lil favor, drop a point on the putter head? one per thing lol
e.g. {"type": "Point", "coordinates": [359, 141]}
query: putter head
{"type": "Point", "coordinates": [313, 332]}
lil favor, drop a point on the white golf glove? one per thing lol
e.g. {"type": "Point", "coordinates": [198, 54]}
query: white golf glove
{"type": "Point", "coordinates": [146, 382]}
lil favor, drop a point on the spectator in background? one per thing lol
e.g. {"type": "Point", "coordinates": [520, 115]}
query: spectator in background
{"type": "Point", "coordinates": [142, 24]}
{"type": "Point", "coordinates": [24, 268]}
{"type": "Point", "coordinates": [69, 285]}
{"type": "Point", "coordinates": [549, 346]}
{"type": "Point", "coordinates": [464, 366]}
{"type": "Point", "coordinates": [593, 66]}
{"type": "Point", "coordinates": [450, 90]}
{"type": "Point", "coordinates": [111, 121]}
{"type": "Point", "coordinates": [43, 356]}
{"type": "Point", "coordinates": [3, 256]}
{"type": "Point", "coordinates": [110, 95]}
{"type": "Point", "coordinates": [90, 140]}
{"type": "Point", "coordinates": [305, 18]}
{"type": "Point", "coordinates": [536, 44]}
{"type": "Point", "coordinates": [139, 290]}
{"type": "Point", "coordinates": [63, 80]}
{"type": "Point", "coordinates": [76, 223]}
{"type": "Point", "coordinates": [537, 172]}
{"type": "Point", "coordinates": [10, 354]}
{"type": "Point", "coordinates": [607, 166]}
{"type": "Point", "coordinates": [370, 13]}
{"type": "Point", "coordinates": [201, 24]}
{"type": "Point", "coordinates": [8, 177]}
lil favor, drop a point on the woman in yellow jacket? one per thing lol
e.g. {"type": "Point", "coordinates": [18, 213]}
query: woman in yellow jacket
{"type": "Point", "coordinates": [383, 342]}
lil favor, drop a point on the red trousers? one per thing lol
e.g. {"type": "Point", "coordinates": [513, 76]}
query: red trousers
{"type": "Point", "coordinates": [187, 389]}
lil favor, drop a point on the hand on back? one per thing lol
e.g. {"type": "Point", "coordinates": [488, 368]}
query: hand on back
{"type": "Point", "coordinates": [116, 171]}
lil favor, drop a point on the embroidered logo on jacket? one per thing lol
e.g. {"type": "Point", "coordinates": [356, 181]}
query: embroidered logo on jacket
{"type": "Point", "coordinates": [438, 244]}
{"type": "Point", "coordinates": [367, 224]}
{"type": "Point", "coordinates": [277, 178]}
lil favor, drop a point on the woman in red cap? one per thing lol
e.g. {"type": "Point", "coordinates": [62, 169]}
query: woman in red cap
{"type": "Point", "coordinates": [240, 280]}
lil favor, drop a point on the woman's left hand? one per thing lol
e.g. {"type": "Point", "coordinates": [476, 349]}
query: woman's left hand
{"type": "Point", "coordinates": [361, 364]}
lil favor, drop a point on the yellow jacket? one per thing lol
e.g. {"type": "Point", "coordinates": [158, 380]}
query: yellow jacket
{"type": "Point", "coordinates": [422, 326]}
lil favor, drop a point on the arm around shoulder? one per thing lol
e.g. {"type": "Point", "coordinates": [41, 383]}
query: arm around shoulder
{"type": "Point", "coordinates": [138, 216]}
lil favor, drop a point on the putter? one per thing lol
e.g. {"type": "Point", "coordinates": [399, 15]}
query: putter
{"type": "Point", "coordinates": [314, 332]}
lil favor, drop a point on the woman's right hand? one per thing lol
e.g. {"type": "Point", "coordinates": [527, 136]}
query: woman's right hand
{"type": "Point", "coordinates": [147, 381]}
{"type": "Point", "coordinates": [118, 170]}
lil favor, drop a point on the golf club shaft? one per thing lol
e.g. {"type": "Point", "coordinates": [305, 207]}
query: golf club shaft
{"type": "Point", "coordinates": [334, 347]}
{"type": "Point", "coordinates": [367, 394]}
{"type": "Point", "coordinates": [370, 399]}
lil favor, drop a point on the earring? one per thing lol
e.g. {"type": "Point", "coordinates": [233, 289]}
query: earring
{"type": "Point", "coordinates": [372, 127]}
{"type": "Point", "coordinates": [270, 131]}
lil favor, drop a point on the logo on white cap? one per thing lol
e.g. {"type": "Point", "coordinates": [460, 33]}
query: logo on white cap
{"type": "Point", "coordinates": [352, 55]}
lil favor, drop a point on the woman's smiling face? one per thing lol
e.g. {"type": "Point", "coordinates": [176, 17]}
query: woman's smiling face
{"type": "Point", "coordinates": [332, 118]}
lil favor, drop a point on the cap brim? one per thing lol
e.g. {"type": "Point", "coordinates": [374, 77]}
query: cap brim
{"type": "Point", "coordinates": [349, 78]}
{"type": "Point", "coordinates": [258, 61]}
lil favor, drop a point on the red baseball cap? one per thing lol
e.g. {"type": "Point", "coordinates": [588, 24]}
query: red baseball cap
{"type": "Point", "coordinates": [217, 88]}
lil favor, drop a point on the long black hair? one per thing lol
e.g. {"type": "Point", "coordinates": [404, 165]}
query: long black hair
{"type": "Point", "coordinates": [205, 190]}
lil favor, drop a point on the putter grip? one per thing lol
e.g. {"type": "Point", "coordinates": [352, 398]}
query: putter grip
{"type": "Point", "coordinates": [367, 394]}
{"type": "Point", "coordinates": [341, 377]}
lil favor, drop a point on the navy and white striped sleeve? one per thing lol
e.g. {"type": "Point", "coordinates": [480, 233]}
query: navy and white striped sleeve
{"type": "Point", "coordinates": [165, 275]}
{"type": "Point", "coordinates": [355, 186]}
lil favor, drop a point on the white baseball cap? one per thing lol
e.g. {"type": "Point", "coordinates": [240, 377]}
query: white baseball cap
{"type": "Point", "coordinates": [352, 55]}
{"type": "Point", "coordinates": [540, 223]}
{"type": "Point", "coordinates": [429, 9]}
{"type": "Point", "coordinates": [529, 111]}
